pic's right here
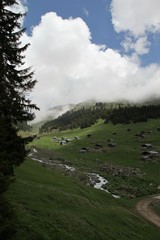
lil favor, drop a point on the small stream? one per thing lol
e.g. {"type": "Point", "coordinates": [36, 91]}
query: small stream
{"type": "Point", "coordinates": [72, 169]}
{"type": "Point", "coordinates": [96, 180]}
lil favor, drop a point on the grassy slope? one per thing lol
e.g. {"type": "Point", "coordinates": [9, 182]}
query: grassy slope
{"type": "Point", "coordinates": [127, 152]}
{"type": "Point", "coordinates": [53, 206]}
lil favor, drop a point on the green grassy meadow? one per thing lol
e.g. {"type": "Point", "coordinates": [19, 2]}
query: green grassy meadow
{"type": "Point", "coordinates": [127, 153]}
{"type": "Point", "coordinates": [53, 204]}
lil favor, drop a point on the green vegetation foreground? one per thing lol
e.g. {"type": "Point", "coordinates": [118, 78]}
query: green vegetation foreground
{"type": "Point", "coordinates": [51, 206]}
{"type": "Point", "coordinates": [54, 204]}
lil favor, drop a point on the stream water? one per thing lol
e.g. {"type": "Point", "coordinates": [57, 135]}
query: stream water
{"type": "Point", "coordinates": [96, 180]}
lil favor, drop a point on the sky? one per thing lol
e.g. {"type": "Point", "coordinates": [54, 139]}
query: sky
{"type": "Point", "coordinates": [106, 50]}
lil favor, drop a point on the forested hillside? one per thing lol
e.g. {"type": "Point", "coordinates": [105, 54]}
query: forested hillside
{"type": "Point", "coordinates": [133, 114]}
{"type": "Point", "coordinates": [84, 117]}
{"type": "Point", "coordinates": [115, 113]}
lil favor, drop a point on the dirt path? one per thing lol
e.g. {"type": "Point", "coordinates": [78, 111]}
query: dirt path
{"type": "Point", "coordinates": [144, 208]}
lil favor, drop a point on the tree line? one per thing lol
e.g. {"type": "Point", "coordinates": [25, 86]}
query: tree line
{"type": "Point", "coordinates": [117, 113]}
{"type": "Point", "coordinates": [133, 114]}
{"type": "Point", "coordinates": [82, 118]}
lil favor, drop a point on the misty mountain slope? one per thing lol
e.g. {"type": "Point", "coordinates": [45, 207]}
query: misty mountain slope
{"type": "Point", "coordinates": [114, 112]}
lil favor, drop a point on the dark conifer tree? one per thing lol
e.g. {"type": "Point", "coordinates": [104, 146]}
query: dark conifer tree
{"type": "Point", "coordinates": [15, 82]}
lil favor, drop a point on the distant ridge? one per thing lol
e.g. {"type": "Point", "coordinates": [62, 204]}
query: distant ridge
{"type": "Point", "coordinates": [59, 110]}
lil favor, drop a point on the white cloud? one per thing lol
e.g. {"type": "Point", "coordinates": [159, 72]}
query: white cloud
{"type": "Point", "coordinates": [86, 12]}
{"type": "Point", "coordinates": [69, 68]}
{"type": "Point", "coordinates": [140, 45]}
{"type": "Point", "coordinates": [137, 18]}
{"type": "Point", "coordinates": [20, 7]}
